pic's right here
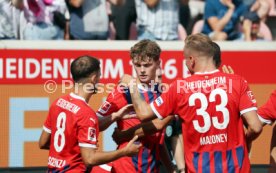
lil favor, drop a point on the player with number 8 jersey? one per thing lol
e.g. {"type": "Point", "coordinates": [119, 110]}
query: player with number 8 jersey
{"type": "Point", "coordinates": [71, 129]}
{"type": "Point", "coordinates": [72, 122]}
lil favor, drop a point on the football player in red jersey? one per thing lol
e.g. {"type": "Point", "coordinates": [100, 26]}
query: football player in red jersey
{"type": "Point", "coordinates": [71, 130]}
{"type": "Point", "coordinates": [213, 107]}
{"type": "Point", "coordinates": [267, 114]}
{"type": "Point", "coordinates": [146, 60]}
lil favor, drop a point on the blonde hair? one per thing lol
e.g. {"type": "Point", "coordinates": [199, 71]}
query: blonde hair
{"type": "Point", "coordinates": [201, 44]}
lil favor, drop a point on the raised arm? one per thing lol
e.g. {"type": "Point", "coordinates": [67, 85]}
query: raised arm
{"type": "Point", "coordinates": [216, 23]}
{"type": "Point", "coordinates": [142, 108]}
{"type": "Point", "coordinates": [146, 128]}
{"type": "Point", "coordinates": [105, 122]}
{"type": "Point", "coordinates": [92, 157]}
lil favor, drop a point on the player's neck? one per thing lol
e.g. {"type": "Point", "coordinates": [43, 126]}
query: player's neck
{"type": "Point", "coordinates": [84, 95]}
{"type": "Point", "coordinates": [148, 84]}
{"type": "Point", "coordinates": [205, 67]}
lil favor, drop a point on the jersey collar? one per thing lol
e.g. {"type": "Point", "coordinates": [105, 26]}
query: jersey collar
{"type": "Point", "coordinates": [77, 97]}
{"type": "Point", "coordinates": [207, 72]}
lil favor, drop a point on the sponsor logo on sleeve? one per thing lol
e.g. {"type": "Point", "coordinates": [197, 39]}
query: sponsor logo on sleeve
{"type": "Point", "coordinates": [105, 107]}
{"type": "Point", "coordinates": [159, 101]}
{"type": "Point", "coordinates": [251, 96]}
{"type": "Point", "coordinates": [92, 136]}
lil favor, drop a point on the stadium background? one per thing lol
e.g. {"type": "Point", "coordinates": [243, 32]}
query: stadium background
{"type": "Point", "coordinates": [24, 100]}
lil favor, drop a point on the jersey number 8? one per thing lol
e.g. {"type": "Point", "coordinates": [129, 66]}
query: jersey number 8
{"type": "Point", "coordinates": [204, 105]}
{"type": "Point", "coordinates": [61, 120]}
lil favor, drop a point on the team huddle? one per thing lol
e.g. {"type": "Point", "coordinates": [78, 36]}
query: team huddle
{"type": "Point", "coordinates": [217, 109]}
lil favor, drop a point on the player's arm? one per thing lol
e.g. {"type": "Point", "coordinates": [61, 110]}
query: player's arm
{"type": "Point", "coordinates": [105, 122]}
{"type": "Point", "coordinates": [215, 23]}
{"type": "Point", "coordinates": [44, 140]}
{"type": "Point", "coordinates": [142, 108]}
{"type": "Point", "coordinates": [145, 128]}
{"type": "Point", "coordinates": [267, 112]}
{"type": "Point", "coordinates": [254, 126]}
{"type": "Point", "coordinates": [92, 156]}
{"type": "Point", "coordinates": [166, 103]}
{"type": "Point", "coordinates": [165, 159]}
{"type": "Point", "coordinates": [45, 137]}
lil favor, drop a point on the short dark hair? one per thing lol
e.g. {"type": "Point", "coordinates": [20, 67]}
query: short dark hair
{"type": "Point", "coordinates": [217, 55]}
{"type": "Point", "coordinates": [145, 50]}
{"type": "Point", "coordinates": [83, 67]}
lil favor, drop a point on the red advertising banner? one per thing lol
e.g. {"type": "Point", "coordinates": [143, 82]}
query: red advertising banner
{"type": "Point", "coordinates": [38, 66]}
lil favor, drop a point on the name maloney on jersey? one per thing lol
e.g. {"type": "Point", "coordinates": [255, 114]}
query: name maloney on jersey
{"type": "Point", "coordinates": [206, 83]}
{"type": "Point", "coordinates": [57, 163]}
{"type": "Point", "coordinates": [213, 139]}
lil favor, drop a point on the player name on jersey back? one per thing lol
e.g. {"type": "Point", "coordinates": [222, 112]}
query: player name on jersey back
{"type": "Point", "coordinates": [207, 83]}
{"type": "Point", "coordinates": [57, 163]}
{"type": "Point", "coordinates": [213, 139]}
{"type": "Point", "coordinates": [68, 105]}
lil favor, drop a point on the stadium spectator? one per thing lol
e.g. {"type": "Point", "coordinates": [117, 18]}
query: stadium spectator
{"type": "Point", "coordinates": [89, 19]}
{"type": "Point", "coordinates": [251, 27]}
{"type": "Point", "coordinates": [145, 57]}
{"type": "Point", "coordinates": [208, 113]}
{"type": "Point", "coordinates": [184, 14]}
{"type": "Point", "coordinates": [221, 19]}
{"type": "Point", "coordinates": [71, 130]}
{"type": "Point", "coordinates": [122, 17]}
{"type": "Point", "coordinates": [157, 19]}
{"type": "Point", "coordinates": [45, 19]}
{"type": "Point", "coordinates": [260, 7]}
{"type": "Point", "coordinates": [10, 11]}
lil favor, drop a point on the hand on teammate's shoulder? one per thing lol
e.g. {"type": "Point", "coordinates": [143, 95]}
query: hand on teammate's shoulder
{"type": "Point", "coordinates": [227, 69]}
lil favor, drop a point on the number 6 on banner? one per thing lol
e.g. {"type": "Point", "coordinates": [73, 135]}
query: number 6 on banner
{"type": "Point", "coordinates": [202, 110]}
{"type": "Point", "coordinates": [60, 132]}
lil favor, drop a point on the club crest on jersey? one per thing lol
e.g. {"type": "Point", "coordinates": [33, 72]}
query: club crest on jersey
{"type": "Point", "coordinates": [105, 107]}
{"type": "Point", "coordinates": [251, 96]}
{"type": "Point", "coordinates": [92, 134]}
{"type": "Point", "coordinates": [159, 101]}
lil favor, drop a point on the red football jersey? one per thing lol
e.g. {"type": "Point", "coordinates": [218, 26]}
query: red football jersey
{"type": "Point", "coordinates": [211, 106]}
{"type": "Point", "coordinates": [104, 168]}
{"type": "Point", "coordinates": [267, 112]}
{"type": "Point", "coordinates": [147, 160]}
{"type": "Point", "coordinates": [72, 124]}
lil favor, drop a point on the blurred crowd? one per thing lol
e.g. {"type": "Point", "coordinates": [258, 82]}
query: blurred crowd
{"type": "Point", "coordinates": [249, 20]}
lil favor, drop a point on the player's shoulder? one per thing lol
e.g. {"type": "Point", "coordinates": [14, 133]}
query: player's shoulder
{"type": "Point", "coordinates": [274, 93]}
{"type": "Point", "coordinates": [273, 96]}
{"type": "Point", "coordinates": [80, 104]}
{"type": "Point", "coordinates": [57, 100]}
{"type": "Point", "coordinates": [117, 92]}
